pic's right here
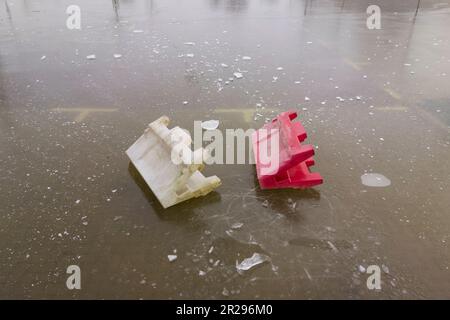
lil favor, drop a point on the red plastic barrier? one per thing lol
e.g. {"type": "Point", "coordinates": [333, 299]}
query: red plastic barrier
{"type": "Point", "coordinates": [289, 166]}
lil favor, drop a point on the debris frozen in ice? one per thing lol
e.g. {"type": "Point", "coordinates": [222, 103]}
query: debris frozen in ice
{"type": "Point", "coordinates": [332, 246]}
{"type": "Point", "coordinates": [238, 75]}
{"type": "Point", "coordinates": [117, 56]}
{"type": "Point", "coordinates": [375, 180]}
{"type": "Point", "coordinates": [91, 57]}
{"type": "Point", "coordinates": [172, 257]}
{"type": "Point", "coordinates": [308, 274]}
{"type": "Point", "coordinates": [210, 124]}
{"type": "Point", "coordinates": [265, 204]}
{"type": "Point", "coordinates": [237, 225]}
{"type": "Point", "coordinates": [251, 262]}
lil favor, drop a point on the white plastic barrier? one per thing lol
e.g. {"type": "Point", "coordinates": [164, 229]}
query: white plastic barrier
{"type": "Point", "coordinates": [173, 176]}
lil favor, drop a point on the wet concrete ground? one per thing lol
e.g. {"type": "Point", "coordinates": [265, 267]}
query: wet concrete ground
{"type": "Point", "coordinates": [69, 195]}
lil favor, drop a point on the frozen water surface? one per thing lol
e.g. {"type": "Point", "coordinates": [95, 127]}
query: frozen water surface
{"type": "Point", "coordinates": [210, 124]}
{"type": "Point", "coordinates": [69, 195]}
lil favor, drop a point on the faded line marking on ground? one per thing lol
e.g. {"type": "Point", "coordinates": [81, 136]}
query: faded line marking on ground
{"type": "Point", "coordinates": [393, 93]}
{"type": "Point", "coordinates": [355, 65]}
{"type": "Point", "coordinates": [394, 108]}
{"type": "Point", "coordinates": [247, 113]}
{"type": "Point", "coordinates": [83, 112]}
{"type": "Point", "coordinates": [430, 117]}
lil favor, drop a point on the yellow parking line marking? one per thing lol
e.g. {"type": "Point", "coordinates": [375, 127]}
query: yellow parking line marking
{"type": "Point", "coordinates": [393, 93]}
{"type": "Point", "coordinates": [83, 112]}
{"type": "Point", "coordinates": [395, 108]}
{"type": "Point", "coordinates": [432, 118]}
{"type": "Point", "coordinates": [355, 65]}
{"type": "Point", "coordinates": [247, 113]}
{"type": "Point", "coordinates": [352, 64]}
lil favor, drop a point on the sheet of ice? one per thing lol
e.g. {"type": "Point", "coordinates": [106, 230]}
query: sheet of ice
{"type": "Point", "coordinates": [251, 262]}
{"type": "Point", "coordinates": [237, 225]}
{"type": "Point", "coordinates": [172, 257]}
{"type": "Point", "coordinates": [375, 180]}
{"type": "Point", "coordinates": [210, 124]}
